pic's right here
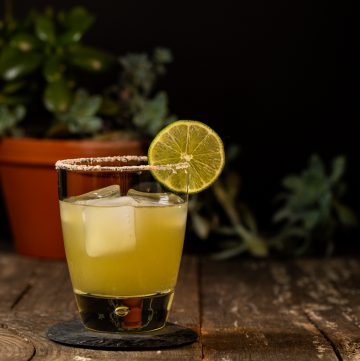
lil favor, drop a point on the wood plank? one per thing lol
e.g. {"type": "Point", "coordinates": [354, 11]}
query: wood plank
{"type": "Point", "coordinates": [186, 307]}
{"type": "Point", "coordinates": [330, 294]}
{"type": "Point", "coordinates": [301, 310]}
{"type": "Point", "coordinates": [49, 290]}
{"type": "Point", "coordinates": [47, 303]}
{"type": "Point", "coordinates": [15, 275]}
{"type": "Point", "coordinates": [250, 313]}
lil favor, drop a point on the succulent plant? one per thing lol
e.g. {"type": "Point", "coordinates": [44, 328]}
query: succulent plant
{"type": "Point", "coordinates": [134, 101]}
{"type": "Point", "coordinates": [312, 208]}
{"type": "Point", "coordinates": [311, 212]}
{"type": "Point", "coordinates": [40, 61]}
{"type": "Point", "coordinates": [9, 119]}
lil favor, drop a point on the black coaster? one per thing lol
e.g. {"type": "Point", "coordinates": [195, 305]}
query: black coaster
{"type": "Point", "coordinates": [73, 333]}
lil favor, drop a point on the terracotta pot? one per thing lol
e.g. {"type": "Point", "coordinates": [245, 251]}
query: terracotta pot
{"type": "Point", "coordinates": [29, 183]}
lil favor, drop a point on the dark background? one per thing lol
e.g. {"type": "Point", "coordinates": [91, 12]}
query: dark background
{"type": "Point", "coordinates": [277, 77]}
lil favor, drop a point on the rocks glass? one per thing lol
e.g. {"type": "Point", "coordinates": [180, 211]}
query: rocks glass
{"type": "Point", "coordinates": [123, 233]}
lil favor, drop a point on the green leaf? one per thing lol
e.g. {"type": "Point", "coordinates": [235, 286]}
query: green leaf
{"type": "Point", "coordinates": [163, 55]}
{"type": "Point", "coordinates": [316, 167]}
{"type": "Point", "coordinates": [248, 217]}
{"type": "Point", "coordinates": [282, 214]}
{"type": "Point", "coordinates": [338, 169]}
{"type": "Point", "coordinates": [85, 105]}
{"type": "Point", "coordinates": [45, 29]}
{"type": "Point", "coordinates": [233, 184]}
{"type": "Point", "coordinates": [153, 114]}
{"type": "Point", "coordinates": [311, 219]}
{"type": "Point", "coordinates": [257, 246]}
{"type": "Point", "coordinates": [20, 112]}
{"type": "Point", "coordinates": [87, 124]}
{"type": "Point", "coordinates": [297, 232]}
{"type": "Point", "coordinates": [69, 37]}
{"type": "Point", "coordinates": [90, 59]}
{"type": "Point", "coordinates": [226, 202]}
{"type": "Point", "coordinates": [226, 231]}
{"type": "Point", "coordinates": [292, 182]}
{"type": "Point", "coordinates": [15, 64]}
{"type": "Point", "coordinates": [201, 225]}
{"type": "Point", "coordinates": [78, 20]}
{"type": "Point", "coordinates": [325, 202]}
{"type": "Point", "coordinates": [230, 252]}
{"type": "Point", "coordinates": [24, 42]}
{"type": "Point", "coordinates": [80, 117]}
{"type": "Point", "coordinates": [53, 69]}
{"type": "Point", "coordinates": [346, 216]}
{"type": "Point", "coordinates": [9, 118]}
{"type": "Point", "coordinates": [57, 96]}
{"type": "Point", "coordinates": [13, 87]}
{"type": "Point", "coordinates": [13, 99]}
{"type": "Point", "coordinates": [138, 71]}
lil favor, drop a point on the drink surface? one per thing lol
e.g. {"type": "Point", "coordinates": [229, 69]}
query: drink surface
{"type": "Point", "coordinates": [124, 246]}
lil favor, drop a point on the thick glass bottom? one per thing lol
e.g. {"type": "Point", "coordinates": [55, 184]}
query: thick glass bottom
{"type": "Point", "coordinates": [124, 314]}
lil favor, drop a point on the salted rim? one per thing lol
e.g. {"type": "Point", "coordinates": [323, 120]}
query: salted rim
{"type": "Point", "coordinates": [74, 164]}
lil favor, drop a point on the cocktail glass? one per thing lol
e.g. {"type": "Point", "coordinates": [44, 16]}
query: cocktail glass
{"type": "Point", "coordinates": [123, 233]}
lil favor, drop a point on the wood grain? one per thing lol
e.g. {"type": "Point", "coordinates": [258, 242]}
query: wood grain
{"type": "Point", "coordinates": [14, 347]}
{"type": "Point", "coordinates": [331, 300]}
{"type": "Point", "coordinates": [15, 274]}
{"type": "Point", "coordinates": [186, 309]}
{"type": "Point", "coordinates": [249, 310]}
{"type": "Point", "coordinates": [243, 310]}
{"type": "Point", "coordinates": [49, 290]}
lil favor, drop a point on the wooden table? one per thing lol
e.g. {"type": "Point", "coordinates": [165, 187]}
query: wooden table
{"type": "Point", "coordinates": [243, 310]}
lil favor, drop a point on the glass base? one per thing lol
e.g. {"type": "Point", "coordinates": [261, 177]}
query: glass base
{"type": "Point", "coordinates": [124, 314]}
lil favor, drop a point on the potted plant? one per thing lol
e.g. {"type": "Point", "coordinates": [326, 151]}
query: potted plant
{"type": "Point", "coordinates": [48, 111]}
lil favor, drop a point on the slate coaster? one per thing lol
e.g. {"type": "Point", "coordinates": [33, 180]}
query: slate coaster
{"type": "Point", "coordinates": [73, 333]}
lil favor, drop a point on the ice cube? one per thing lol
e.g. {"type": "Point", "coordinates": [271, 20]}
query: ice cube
{"type": "Point", "coordinates": [112, 202]}
{"type": "Point", "coordinates": [109, 226]}
{"type": "Point", "coordinates": [72, 223]}
{"type": "Point", "coordinates": [154, 199]}
{"type": "Point", "coordinates": [107, 192]}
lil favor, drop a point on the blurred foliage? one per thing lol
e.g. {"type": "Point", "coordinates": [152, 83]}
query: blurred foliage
{"type": "Point", "coordinates": [9, 118]}
{"type": "Point", "coordinates": [40, 60]}
{"type": "Point", "coordinates": [310, 214]}
{"type": "Point", "coordinates": [312, 208]}
{"type": "Point", "coordinates": [43, 64]}
{"type": "Point", "coordinates": [133, 103]}
{"type": "Point", "coordinates": [81, 117]}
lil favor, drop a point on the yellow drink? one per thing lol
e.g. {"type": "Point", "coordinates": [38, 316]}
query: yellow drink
{"type": "Point", "coordinates": [143, 263]}
{"type": "Point", "coordinates": [123, 248]}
